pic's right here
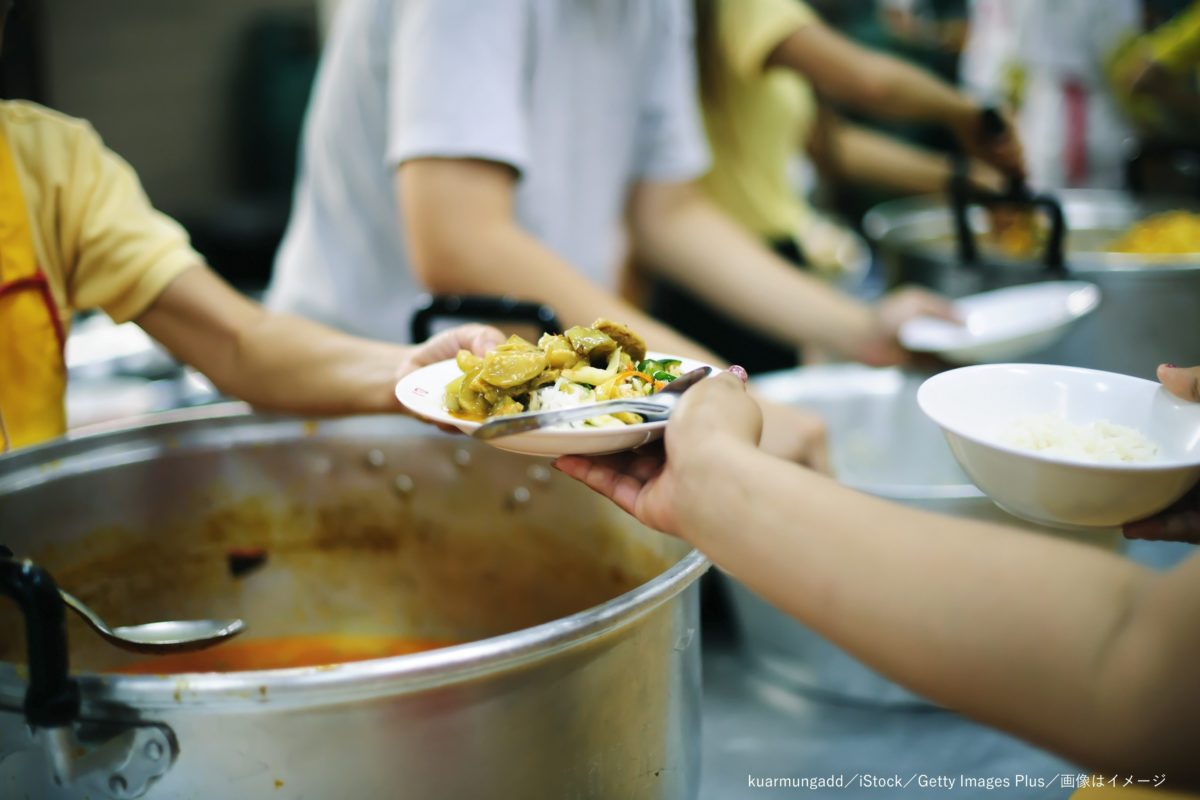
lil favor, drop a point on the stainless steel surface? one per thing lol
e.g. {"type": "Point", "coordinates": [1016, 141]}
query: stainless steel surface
{"type": "Point", "coordinates": [653, 407]}
{"type": "Point", "coordinates": [1137, 324]}
{"type": "Point", "coordinates": [165, 636]}
{"type": "Point", "coordinates": [754, 727]}
{"type": "Point", "coordinates": [881, 444]}
{"type": "Point", "coordinates": [580, 676]}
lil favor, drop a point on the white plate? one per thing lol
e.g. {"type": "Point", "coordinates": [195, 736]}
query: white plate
{"type": "Point", "coordinates": [976, 406]}
{"type": "Point", "coordinates": [421, 393]}
{"type": "Point", "coordinates": [1004, 324]}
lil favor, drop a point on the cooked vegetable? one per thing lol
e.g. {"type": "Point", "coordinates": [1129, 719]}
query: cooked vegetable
{"type": "Point", "coordinates": [633, 345]}
{"type": "Point", "coordinates": [585, 364]}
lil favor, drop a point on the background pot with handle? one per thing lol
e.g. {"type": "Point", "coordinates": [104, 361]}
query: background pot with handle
{"type": "Point", "coordinates": [1148, 303]}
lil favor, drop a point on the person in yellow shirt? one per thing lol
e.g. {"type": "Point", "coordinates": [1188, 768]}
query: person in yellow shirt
{"type": "Point", "coordinates": [77, 232]}
{"type": "Point", "coordinates": [764, 67]}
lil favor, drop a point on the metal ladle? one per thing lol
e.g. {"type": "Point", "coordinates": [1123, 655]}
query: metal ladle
{"type": "Point", "coordinates": [168, 636]}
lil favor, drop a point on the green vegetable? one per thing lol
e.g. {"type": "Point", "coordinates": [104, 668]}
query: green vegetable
{"type": "Point", "coordinates": [663, 376]}
{"type": "Point", "coordinates": [649, 366]}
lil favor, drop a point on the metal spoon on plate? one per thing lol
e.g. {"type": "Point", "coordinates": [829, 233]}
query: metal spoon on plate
{"type": "Point", "coordinates": [653, 407]}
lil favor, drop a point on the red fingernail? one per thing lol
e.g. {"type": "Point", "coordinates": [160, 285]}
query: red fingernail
{"type": "Point", "coordinates": [1170, 366]}
{"type": "Point", "coordinates": [739, 372]}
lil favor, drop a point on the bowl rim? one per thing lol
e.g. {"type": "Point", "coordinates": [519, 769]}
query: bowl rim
{"type": "Point", "coordinates": [932, 384]}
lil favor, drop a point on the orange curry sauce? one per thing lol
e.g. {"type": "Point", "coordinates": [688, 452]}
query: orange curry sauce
{"type": "Point", "coordinates": [281, 653]}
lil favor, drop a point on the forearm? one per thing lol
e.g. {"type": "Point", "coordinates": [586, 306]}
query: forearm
{"type": "Point", "coordinates": [1037, 636]}
{"type": "Point", "coordinates": [505, 260]}
{"type": "Point", "coordinates": [692, 243]}
{"type": "Point", "coordinates": [862, 156]}
{"type": "Point", "coordinates": [272, 361]}
{"type": "Point", "coordinates": [871, 81]}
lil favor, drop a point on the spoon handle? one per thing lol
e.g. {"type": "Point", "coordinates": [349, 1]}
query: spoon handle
{"type": "Point", "coordinates": [533, 420]}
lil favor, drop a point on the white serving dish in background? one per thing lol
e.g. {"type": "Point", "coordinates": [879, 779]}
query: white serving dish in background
{"type": "Point", "coordinates": [1005, 324]}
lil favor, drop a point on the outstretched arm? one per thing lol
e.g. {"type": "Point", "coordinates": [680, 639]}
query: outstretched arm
{"type": "Point", "coordinates": [884, 86]}
{"type": "Point", "coordinates": [1070, 647]}
{"type": "Point", "coordinates": [681, 235]}
{"type": "Point", "coordinates": [286, 363]}
{"type": "Point", "coordinates": [866, 157]}
{"type": "Point", "coordinates": [464, 238]}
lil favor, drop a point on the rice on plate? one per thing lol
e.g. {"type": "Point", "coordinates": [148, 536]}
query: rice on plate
{"type": "Point", "coordinates": [1100, 441]}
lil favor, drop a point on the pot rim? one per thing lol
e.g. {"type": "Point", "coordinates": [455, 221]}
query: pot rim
{"type": "Point", "coordinates": [339, 682]}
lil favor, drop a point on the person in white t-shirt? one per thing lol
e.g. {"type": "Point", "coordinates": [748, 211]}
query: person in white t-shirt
{"type": "Point", "coordinates": [522, 147]}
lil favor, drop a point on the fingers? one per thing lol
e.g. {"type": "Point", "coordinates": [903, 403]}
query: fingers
{"type": "Point", "coordinates": [1183, 526]}
{"type": "Point", "coordinates": [604, 475]}
{"type": "Point", "coordinates": [1179, 523]}
{"type": "Point", "coordinates": [479, 339]}
{"type": "Point", "coordinates": [928, 304]}
{"type": "Point", "coordinates": [1183, 382]}
{"type": "Point", "coordinates": [485, 339]}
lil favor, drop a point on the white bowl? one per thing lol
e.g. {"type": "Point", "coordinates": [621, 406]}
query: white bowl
{"type": "Point", "coordinates": [1004, 324]}
{"type": "Point", "coordinates": [421, 392]}
{"type": "Point", "coordinates": [975, 406]}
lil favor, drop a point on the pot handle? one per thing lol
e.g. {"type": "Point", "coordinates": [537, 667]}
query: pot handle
{"type": "Point", "coordinates": [963, 195]}
{"type": "Point", "coordinates": [480, 307]}
{"type": "Point", "coordinates": [52, 699]}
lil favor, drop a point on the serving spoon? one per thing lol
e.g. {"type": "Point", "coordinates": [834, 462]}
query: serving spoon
{"type": "Point", "coordinates": [652, 407]}
{"type": "Point", "coordinates": [168, 636]}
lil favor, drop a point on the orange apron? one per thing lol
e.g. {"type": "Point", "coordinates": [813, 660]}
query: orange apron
{"type": "Point", "coordinates": [33, 375]}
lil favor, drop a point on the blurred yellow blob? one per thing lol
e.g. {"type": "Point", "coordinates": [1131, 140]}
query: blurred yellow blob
{"type": "Point", "coordinates": [1170, 233]}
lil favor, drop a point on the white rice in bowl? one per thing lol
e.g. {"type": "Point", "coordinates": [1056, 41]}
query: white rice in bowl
{"type": "Point", "coordinates": [1099, 441]}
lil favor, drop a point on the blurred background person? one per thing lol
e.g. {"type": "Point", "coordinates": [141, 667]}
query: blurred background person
{"type": "Point", "coordinates": [770, 74]}
{"type": "Point", "coordinates": [499, 150]}
{"type": "Point", "coordinates": [1088, 79]}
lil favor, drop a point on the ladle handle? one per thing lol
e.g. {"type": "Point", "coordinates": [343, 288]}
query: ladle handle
{"type": "Point", "coordinates": [52, 699]}
{"type": "Point", "coordinates": [480, 307]}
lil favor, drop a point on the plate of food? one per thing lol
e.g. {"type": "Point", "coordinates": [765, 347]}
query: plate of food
{"type": "Point", "coordinates": [583, 365]}
{"type": "Point", "coordinates": [1004, 324]}
{"type": "Point", "coordinates": [1064, 446]}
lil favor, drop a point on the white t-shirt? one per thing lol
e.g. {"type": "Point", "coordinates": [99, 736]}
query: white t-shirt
{"type": "Point", "coordinates": [583, 98]}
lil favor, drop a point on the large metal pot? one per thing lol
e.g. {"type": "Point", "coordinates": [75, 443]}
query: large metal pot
{"type": "Point", "coordinates": [579, 677]}
{"type": "Point", "coordinates": [881, 444]}
{"type": "Point", "coordinates": [1143, 317]}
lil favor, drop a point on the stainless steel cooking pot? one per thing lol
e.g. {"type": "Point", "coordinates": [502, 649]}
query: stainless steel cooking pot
{"type": "Point", "coordinates": [579, 676]}
{"type": "Point", "coordinates": [881, 444]}
{"type": "Point", "coordinates": [1149, 305]}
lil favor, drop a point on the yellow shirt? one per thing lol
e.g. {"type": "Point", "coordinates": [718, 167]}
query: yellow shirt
{"type": "Point", "coordinates": [1176, 44]}
{"type": "Point", "coordinates": [96, 236]}
{"type": "Point", "coordinates": [761, 117]}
